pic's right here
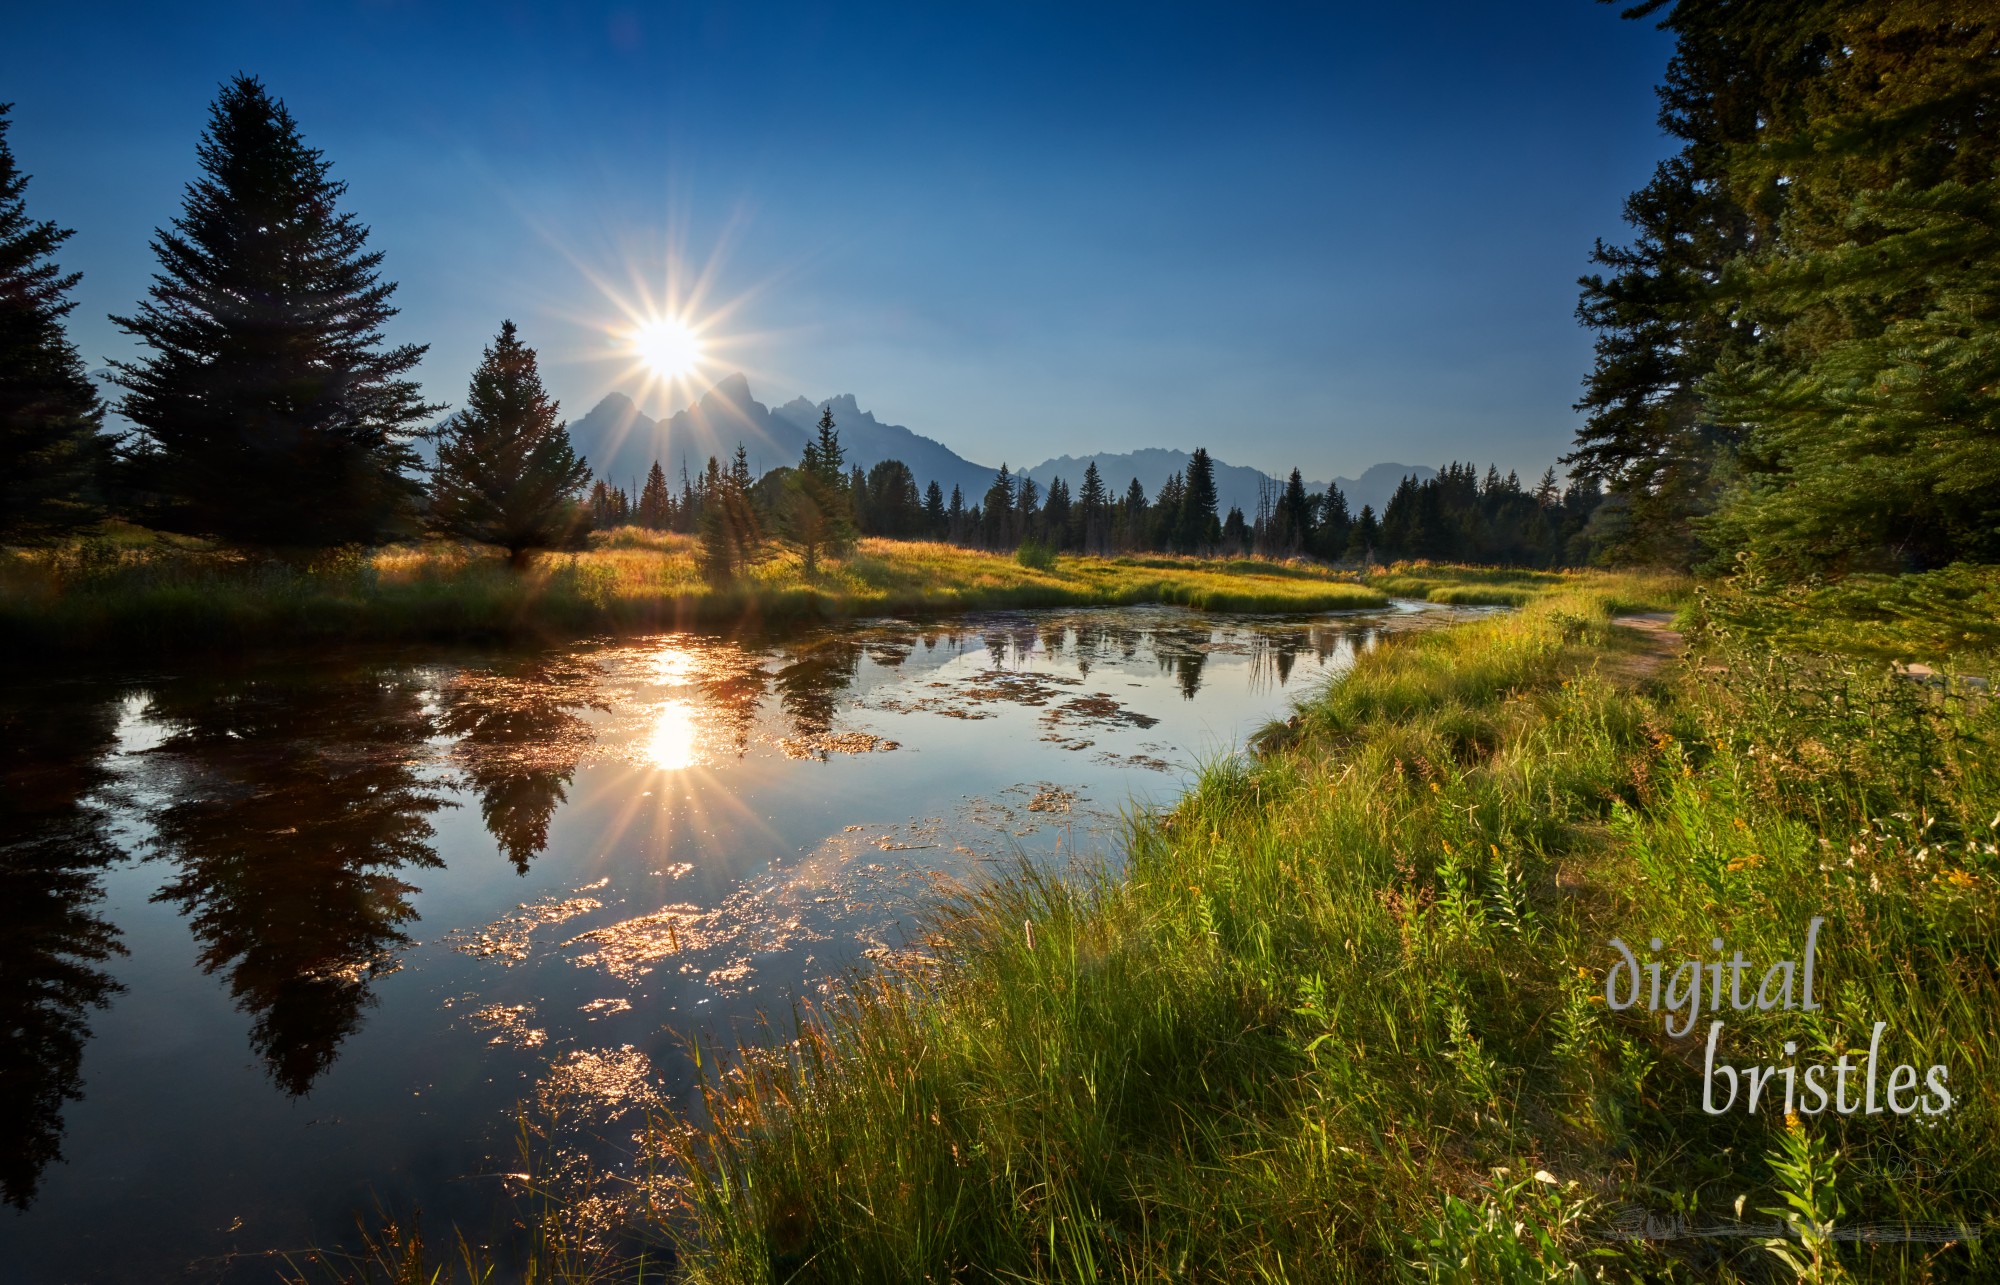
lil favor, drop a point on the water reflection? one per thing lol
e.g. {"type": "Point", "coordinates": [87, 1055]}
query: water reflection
{"type": "Point", "coordinates": [521, 734]}
{"type": "Point", "coordinates": [53, 847]}
{"type": "Point", "coordinates": [681, 869]}
{"type": "Point", "coordinates": [297, 806]}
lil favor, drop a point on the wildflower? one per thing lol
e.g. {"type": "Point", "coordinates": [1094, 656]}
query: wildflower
{"type": "Point", "coordinates": [1961, 878]}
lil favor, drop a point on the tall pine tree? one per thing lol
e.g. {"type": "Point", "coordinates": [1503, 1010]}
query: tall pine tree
{"type": "Point", "coordinates": [269, 411]}
{"type": "Point", "coordinates": [506, 473]}
{"type": "Point", "coordinates": [50, 451]}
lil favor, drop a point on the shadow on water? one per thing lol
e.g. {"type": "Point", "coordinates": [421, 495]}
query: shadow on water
{"type": "Point", "coordinates": [297, 808]}
{"type": "Point", "coordinates": [53, 849]}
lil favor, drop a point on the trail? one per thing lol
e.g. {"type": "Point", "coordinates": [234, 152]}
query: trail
{"type": "Point", "coordinates": [1658, 642]}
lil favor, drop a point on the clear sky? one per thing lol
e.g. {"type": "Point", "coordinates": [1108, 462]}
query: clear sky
{"type": "Point", "coordinates": [1325, 235]}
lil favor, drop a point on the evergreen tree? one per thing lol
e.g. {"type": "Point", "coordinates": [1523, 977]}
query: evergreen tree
{"type": "Point", "coordinates": [1235, 532]}
{"type": "Point", "coordinates": [50, 451]}
{"type": "Point", "coordinates": [894, 507]}
{"type": "Point", "coordinates": [687, 511]}
{"type": "Point", "coordinates": [1200, 528]}
{"type": "Point", "coordinates": [996, 511]}
{"type": "Point", "coordinates": [1365, 536]}
{"type": "Point", "coordinates": [506, 473]}
{"type": "Point", "coordinates": [1869, 413]}
{"type": "Point", "coordinates": [1171, 527]}
{"type": "Point", "coordinates": [815, 507]}
{"type": "Point", "coordinates": [269, 411]}
{"type": "Point", "coordinates": [1094, 511]}
{"type": "Point", "coordinates": [1293, 517]}
{"type": "Point", "coordinates": [956, 517]}
{"type": "Point", "coordinates": [731, 531]}
{"type": "Point", "coordinates": [1027, 511]}
{"type": "Point", "coordinates": [1335, 525]}
{"type": "Point", "coordinates": [936, 522]}
{"type": "Point", "coordinates": [1056, 515]}
{"type": "Point", "coordinates": [1133, 518]}
{"type": "Point", "coordinates": [656, 503]}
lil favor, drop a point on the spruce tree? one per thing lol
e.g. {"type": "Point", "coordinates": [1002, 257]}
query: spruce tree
{"type": "Point", "coordinates": [1334, 524]}
{"type": "Point", "coordinates": [936, 522]}
{"type": "Point", "coordinates": [1093, 510]}
{"type": "Point", "coordinates": [815, 507]}
{"type": "Point", "coordinates": [50, 451]}
{"type": "Point", "coordinates": [1365, 536]}
{"type": "Point", "coordinates": [1133, 518]}
{"type": "Point", "coordinates": [656, 503]}
{"type": "Point", "coordinates": [269, 410]}
{"type": "Point", "coordinates": [996, 511]}
{"type": "Point", "coordinates": [1201, 529]}
{"type": "Point", "coordinates": [506, 473]}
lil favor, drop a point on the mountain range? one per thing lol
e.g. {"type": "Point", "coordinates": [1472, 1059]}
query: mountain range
{"type": "Point", "coordinates": [621, 442]}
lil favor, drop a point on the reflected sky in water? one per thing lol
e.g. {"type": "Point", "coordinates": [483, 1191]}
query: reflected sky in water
{"type": "Point", "coordinates": [281, 943]}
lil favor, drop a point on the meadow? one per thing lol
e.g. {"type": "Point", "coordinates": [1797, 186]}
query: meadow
{"type": "Point", "coordinates": [1339, 1014]}
{"type": "Point", "coordinates": [134, 589]}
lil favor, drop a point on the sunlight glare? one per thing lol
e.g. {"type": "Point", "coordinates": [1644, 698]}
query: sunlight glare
{"type": "Point", "coordinates": [670, 747]}
{"type": "Point", "coordinates": [668, 346]}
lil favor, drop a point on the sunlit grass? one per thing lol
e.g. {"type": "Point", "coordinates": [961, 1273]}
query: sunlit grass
{"type": "Point", "coordinates": [1330, 1013]}
{"type": "Point", "coordinates": [134, 590]}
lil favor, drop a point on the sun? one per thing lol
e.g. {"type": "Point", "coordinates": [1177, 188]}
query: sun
{"type": "Point", "coordinates": [668, 346]}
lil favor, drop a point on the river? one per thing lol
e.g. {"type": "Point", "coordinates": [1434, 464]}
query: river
{"type": "Point", "coordinates": [286, 942]}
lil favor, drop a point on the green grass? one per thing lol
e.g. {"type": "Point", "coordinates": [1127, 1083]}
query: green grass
{"type": "Point", "coordinates": [1335, 1011]}
{"type": "Point", "coordinates": [134, 591]}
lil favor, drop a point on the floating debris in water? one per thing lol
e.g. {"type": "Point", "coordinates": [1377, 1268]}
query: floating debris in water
{"type": "Point", "coordinates": [1051, 798]}
{"type": "Point", "coordinates": [818, 745]}
{"type": "Point", "coordinates": [607, 1084]}
{"type": "Point", "coordinates": [507, 939]}
{"type": "Point", "coordinates": [509, 1023]}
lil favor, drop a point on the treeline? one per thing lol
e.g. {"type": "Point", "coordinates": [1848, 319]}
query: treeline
{"type": "Point", "coordinates": [1455, 516]}
{"type": "Point", "coordinates": [1795, 352]}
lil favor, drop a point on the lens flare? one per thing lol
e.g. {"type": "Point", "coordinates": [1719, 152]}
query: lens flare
{"type": "Point", "coordinates": [668, 346]}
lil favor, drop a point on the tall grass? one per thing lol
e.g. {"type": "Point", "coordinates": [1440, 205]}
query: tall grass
{"type": "Point", "coordinates": [137, 593]}
{"type": "Point", "coordinates": [1332, 1017]}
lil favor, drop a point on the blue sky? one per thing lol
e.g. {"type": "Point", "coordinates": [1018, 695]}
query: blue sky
{"type": "Point", "coordinates": [1323, 235]}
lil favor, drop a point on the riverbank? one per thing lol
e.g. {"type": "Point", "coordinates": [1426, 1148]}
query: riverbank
{"type": "Point", "coordinates": [1341, 1014]}
{"type": "Point", "coordinates": [139, 593]}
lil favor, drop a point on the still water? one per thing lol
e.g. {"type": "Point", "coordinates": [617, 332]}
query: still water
{"type": "Point", "coordinates": [284, 943]}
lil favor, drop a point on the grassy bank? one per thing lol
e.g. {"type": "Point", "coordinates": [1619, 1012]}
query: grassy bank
{"type": "Point", "coordinates": [135, 592]}
{"type": "Point", "coordinates": [1341, 1015]}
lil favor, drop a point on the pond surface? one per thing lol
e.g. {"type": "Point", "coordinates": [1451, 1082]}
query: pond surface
{"type": "Point", "coordinates": [282, 944]}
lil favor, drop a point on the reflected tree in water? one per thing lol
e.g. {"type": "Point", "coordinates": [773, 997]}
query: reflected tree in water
{"type": "Point", "coordinates": [811, 682]}
{"type": "Point", "coordinates": [53, 848]}
{"type": "Point", "coordinates": [732, 687]}
{"type": "Point", "coordinates": [520, 736]}
{"type": "Point", "coordinates": [295, 809]}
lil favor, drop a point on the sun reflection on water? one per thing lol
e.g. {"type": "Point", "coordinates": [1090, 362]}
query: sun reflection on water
{"type": "Point", "coordinates": [670, 746]}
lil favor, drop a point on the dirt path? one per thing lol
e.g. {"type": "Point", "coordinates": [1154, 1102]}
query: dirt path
{"type": "Point", "coordinates": [1658, 643]}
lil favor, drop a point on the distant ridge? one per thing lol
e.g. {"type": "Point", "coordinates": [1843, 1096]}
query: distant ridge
{"type": "Point", "coordinates": [621, 442]}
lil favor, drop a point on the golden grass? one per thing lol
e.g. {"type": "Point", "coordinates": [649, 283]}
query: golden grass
{"type": "Point", "coordinates": [140, 590]}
